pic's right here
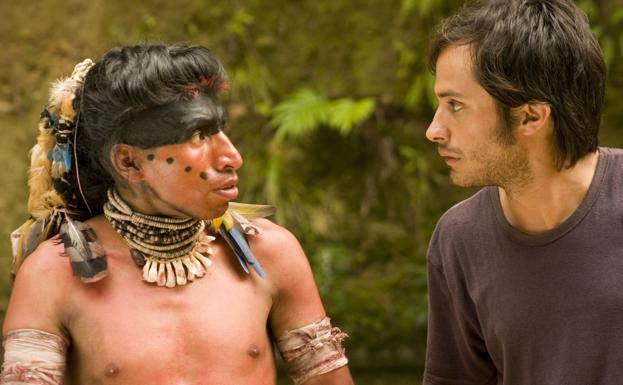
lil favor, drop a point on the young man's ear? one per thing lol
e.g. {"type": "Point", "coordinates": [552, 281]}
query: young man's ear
{"type": "Point", "coordinates": [127, 162]}
{"type": "Point", "coordinates": [532, 118]}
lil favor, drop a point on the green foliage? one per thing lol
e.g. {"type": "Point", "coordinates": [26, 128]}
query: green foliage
{"type": "Point", "coordinates": [346, 113]}
{"type": "Point", "coordinates": [300, 113]}
{"type": "Point", "coordinates": [306, 110]}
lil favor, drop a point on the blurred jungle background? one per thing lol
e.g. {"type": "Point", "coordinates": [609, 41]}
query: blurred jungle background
{"type": "Point", "coordinates": [329, 103]}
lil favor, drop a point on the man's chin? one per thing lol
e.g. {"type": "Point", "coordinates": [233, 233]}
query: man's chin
{"type": "Point", "coordinates": [215, 212]}
{"type": "Point", "coordinates": [458, 180]}
{"type": "Point", "coordinates": [463, 180]}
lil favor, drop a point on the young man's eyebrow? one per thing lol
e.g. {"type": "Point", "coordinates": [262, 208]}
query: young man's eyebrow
{"type": "Point", "coordinates": [449, 94]}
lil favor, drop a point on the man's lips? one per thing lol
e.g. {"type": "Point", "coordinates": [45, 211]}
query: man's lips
{"type": "Point", "coordinates": [228, 189]}
{"type": "Point", "coordinates": [228, 183]}
{"type": "Point", "coordinates": [449, 158]}
{"type": "Point", "coordinates": [450, 161]}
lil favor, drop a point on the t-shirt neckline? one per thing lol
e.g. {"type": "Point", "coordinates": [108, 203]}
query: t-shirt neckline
{"type": "Point", "coordinates": [566, 226]}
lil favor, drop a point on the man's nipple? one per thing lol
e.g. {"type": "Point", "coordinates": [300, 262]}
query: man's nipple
{"type": "Point", "coordinates": [253, 351]}
{"type": "Point", "coordinates": [111, 370]}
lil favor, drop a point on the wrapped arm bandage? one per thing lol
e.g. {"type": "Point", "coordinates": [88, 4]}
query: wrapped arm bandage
{"type": "Point", "coordinates": [33, 357]}
{"type": "Point", "coordinates": [312, 350]}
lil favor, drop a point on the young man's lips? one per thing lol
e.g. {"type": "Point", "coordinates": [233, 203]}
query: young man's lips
{"type": "Point", "coordinates": [450, 160]}
{"type": "Point", "coordinates": [229, 192]}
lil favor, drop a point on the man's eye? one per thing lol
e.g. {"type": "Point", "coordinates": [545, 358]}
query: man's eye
{"type": "Point", "coordinates": [198, 137]}
{"type": "Point", "coordinates": [454, 106]}
{"type": "Point", "coordinates": [203, 133]}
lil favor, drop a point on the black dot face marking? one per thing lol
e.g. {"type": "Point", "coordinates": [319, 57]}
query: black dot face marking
{"type": "Point", "coordinates": [151, 156]}
{"type": "Point", "coordinates": [188, 169]}
{"type": "Point", "coordinates": [203, 175]}
{"type": "Point", "coordinates": [170, 160]}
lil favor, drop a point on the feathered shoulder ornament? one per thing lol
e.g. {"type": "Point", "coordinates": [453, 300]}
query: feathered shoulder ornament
{"type": "Point", "coordinates": [235, 224]}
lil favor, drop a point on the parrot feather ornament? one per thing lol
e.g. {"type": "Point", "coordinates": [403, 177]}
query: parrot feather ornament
{"type": "Point", "coordinates": [233, 226]}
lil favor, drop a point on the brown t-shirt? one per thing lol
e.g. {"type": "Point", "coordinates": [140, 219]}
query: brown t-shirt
{"type": "Point", "coordinates": [516, 309]}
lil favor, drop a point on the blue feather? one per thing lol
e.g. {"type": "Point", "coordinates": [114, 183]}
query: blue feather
{"type": "Point", "coordinates": [54, 121]}
{"type": "Point", "coordinates": [236, 249]}
{"type": "Point", "coordinates": [241, 249]}
{"type": "Point", "coordinates": [66, 157]}
{"type": "Point", "coordinates": [61, 153]}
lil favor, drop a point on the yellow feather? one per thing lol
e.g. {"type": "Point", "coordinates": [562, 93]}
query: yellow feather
{"type": "Point", "coordinates": [228, 220]}
{"type": "Point", "coordinates": [216, 223]}
{"type": "Point", "coordinates": [252, 211]}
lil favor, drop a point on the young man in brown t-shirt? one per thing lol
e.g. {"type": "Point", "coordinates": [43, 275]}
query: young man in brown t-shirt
{"type": "Point", "coordinates": [526, 276]}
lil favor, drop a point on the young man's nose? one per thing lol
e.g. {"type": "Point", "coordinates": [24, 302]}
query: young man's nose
{"type": "Point", "coordinates": [436, 131]}
{"type": "Point", "coordinates": [228, 155]}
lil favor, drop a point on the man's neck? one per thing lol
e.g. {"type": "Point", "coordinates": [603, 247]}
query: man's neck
{"type": "Point", "coordinates": [550, 198]}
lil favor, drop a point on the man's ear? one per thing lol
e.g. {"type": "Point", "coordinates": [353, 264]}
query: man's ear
{"type": "Point", "coordinates": [532, 118]}
{"type": "Point", "coordinates": [127, 162]}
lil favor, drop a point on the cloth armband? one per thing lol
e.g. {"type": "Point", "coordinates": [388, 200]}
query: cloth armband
{"type": "Point", "coordinates": [33, 357]}
{"type": "Point", "coordinates": [312, 350]}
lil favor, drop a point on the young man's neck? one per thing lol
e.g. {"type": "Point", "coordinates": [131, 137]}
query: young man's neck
{"type": "Point", "coordinates": [550, 198]}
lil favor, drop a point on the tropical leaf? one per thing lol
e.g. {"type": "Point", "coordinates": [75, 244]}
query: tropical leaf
{"type": "Point", "coordinates": [300, 113]}
{"type": "Point", "coordinates": [346, 113]}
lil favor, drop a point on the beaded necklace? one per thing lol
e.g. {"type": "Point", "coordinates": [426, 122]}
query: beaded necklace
{"type": "Point", "coordinates": [171, 251]}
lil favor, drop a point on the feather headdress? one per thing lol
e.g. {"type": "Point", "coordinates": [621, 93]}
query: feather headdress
{"type": "Point", "coordinates": [52, 198]}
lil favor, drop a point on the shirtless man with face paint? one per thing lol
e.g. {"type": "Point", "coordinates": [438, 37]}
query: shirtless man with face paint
{"type": "Point", "coordinates": [143, 128]}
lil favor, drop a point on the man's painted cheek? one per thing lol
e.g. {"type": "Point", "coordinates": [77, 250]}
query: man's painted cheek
{"type": "Point", "coordinates": [194, 168]}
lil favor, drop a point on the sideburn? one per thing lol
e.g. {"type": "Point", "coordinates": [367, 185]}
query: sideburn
{"type": "Point", "coordinates": [506, 124]}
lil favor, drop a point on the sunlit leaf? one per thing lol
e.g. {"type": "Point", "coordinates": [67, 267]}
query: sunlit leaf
{"type": "Point", "coordinates": [300, 113]}
{"type": "Point", "coordinates": [346, 113]}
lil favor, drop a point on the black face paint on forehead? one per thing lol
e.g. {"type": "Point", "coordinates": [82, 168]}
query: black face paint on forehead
{"type": "Point", "coordinates": [175, 122]}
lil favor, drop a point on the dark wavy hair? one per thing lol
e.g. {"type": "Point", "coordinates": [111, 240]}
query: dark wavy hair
{"type": "Point", "coordinates": [527, 51]}
{"type": "Point", "coordinates": [137, 95]}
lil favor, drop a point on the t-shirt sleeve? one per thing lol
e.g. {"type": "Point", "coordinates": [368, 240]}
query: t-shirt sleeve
{"type": "Point", "coordinates": [455, 352]}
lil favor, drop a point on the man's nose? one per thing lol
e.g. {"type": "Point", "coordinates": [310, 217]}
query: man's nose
{"type": "Point", "coordinates": [228, 155]}
{"type": "Point", "coordinates": [436, 131]}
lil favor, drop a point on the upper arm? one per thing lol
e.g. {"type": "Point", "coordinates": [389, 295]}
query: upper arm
{"type": "Point", "coordinates": [39, 291]}
{"type": "Point", "coordinates": [455, 348]}
{"type": "Point", "coordinates": [296, 301]}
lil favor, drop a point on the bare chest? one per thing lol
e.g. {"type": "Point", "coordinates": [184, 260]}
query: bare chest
{"type": "Point", "coordinates": [129, 332]}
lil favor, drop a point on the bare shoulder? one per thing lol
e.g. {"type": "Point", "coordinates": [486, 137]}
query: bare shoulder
{"type": "Point", "coordinates": [277, 247]}
{"type": "Point", "coordinates": [272, 233]}
{"type": "Point", "coordinates": [41, 287]}
{"type": "Point", "coordinates": [47, 260]}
